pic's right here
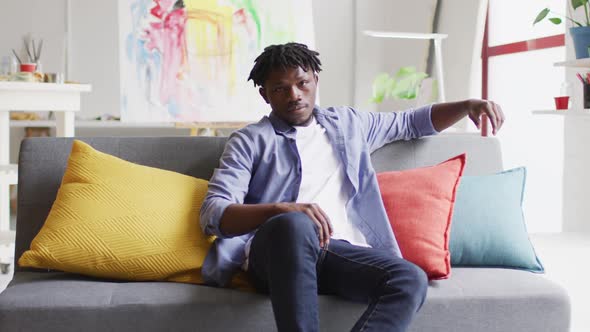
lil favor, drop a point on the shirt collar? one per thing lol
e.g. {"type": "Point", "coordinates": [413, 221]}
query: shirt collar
{"type": "Point", "coordinates": [283, 128]}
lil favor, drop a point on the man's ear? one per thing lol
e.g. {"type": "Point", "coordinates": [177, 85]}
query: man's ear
{"type": "Point", "coordinates": [317, 77]}
{"type": "Point", "coordinates": [262, 92]}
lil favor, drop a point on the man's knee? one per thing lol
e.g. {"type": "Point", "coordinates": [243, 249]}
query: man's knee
{"type": "Point", "coordinates": [411, 281]}
{"type": "Point", "coordinates": [291, 226]}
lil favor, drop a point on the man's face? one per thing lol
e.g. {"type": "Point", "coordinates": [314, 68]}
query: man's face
{"type": "Point", "coordinates": [291, 94]}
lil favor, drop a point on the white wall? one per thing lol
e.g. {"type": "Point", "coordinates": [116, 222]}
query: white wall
{"type": "Point", "coordinates": [376, 55]}
{"type": "Point", "coordinates": [43, 19]}
{"type": "Point", "coordinates": [576, 177]}
{"type": "Point", "coordinates": [95, 54]}
{"type": "Point", "coordinates": [345, 53]}
{"type": "Point", "coordinates": [95, 39]}
{"type": "Point", "coordinates": [350, 60]}
{"type": "Point", "coordinates": [464, 22]}
{"type": "Point", "coordinates": [94, 47]}
{"type": "Point", "coordinates": [335, 41]}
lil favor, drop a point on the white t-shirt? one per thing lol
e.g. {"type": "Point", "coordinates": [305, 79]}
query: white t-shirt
{"type": "Point", "coordinates": [323, 182]}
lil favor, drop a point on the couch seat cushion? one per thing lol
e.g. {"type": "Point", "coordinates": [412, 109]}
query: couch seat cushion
{"type": "Point", "coordinates": [472, 299]}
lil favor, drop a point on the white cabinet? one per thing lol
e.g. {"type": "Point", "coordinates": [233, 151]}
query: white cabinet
{"type": "Point", "coordinates": [63, 99]}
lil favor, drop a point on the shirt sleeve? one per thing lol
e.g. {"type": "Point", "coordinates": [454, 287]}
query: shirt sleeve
{"type": "Point", "coordinates": [381, 128]}
{"type": "Point", "coordinates": [229, 183]}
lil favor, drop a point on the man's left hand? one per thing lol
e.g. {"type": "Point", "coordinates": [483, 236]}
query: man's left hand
{"type": "Point", "coordinates": [477, 107]}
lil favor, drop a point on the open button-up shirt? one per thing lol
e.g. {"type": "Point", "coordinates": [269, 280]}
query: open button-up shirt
{"type": "Point", "coordinates": [261, 164]}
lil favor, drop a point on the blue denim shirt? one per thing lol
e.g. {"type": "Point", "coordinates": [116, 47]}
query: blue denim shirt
{"type": "Point", "coordinates": [260, 164]}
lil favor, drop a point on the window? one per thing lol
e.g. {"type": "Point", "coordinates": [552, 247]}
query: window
{"type": "Point", "coordinates": [518, 73]}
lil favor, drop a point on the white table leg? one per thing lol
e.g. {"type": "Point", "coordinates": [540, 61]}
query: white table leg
{"type": "Point", "coordinates": [4, 207]}
{"type": "Point", "coordinates": [4, 137]}
{"type": "Point", "coordinates": [4, 160]}
{"type": "Point", "coordinates": [439, 70]}
{"type": "Point", "coordinates": [65, 122]}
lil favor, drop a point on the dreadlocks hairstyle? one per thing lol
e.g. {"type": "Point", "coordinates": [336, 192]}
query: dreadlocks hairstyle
{"type": "Point", "coordinates": [290, 55]}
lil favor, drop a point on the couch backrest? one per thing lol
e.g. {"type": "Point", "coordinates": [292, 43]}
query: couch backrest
{"type": "Point", "coordinates": [484, 155]}
{"type": "Point", "coordinates": [42, 163]}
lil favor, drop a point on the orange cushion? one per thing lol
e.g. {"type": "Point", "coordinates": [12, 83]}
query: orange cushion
{"type": "Point", "coordinates": [419, 203]}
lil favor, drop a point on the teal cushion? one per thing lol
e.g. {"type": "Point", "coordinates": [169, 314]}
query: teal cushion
{"type": "Point", "coordinates": [488, 227]}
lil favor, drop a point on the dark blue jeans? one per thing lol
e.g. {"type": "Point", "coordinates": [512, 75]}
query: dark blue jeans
{"type": "Point", "coordinates": [286, 261]}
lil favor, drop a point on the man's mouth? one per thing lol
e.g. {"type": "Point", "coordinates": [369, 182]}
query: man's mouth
{"type": "Point", "coordinates": [296, 108]}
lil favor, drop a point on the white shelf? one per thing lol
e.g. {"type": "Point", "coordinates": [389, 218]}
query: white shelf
{"type": "Point", "coordinates": [91, 124]}
{"type": "Point", "coordinates": [119, 124]}
{"type": "Point", "coordinates": [405, 35]}
{"type": "Point", "coordinates": [23, 96]}
{"type": "Point", "coordinates": [63, 99]}
{"type": "Point", "coordinates": [34, 123]}
{"type": "Point", "coordinates": [50, 87]}
{"type": "Point", "coordinates": [578, 63]}
{"type": "Point", "coordinates": [569, 112]}
{"type": "Point", "coordinates": [9, 174]}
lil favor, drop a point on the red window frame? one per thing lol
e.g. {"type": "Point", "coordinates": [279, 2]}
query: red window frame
{"type": "Point", "coordinates": [522, 46]}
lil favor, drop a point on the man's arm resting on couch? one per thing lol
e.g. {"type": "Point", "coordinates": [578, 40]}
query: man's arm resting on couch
{"type": "Point", "coordinates": [444, 115]}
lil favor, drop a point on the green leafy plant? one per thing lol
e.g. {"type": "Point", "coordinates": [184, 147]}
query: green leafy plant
{"type": "Point", "coordinates": [556, 20]}
{"type": "Point", "coordinates": [405, 84]}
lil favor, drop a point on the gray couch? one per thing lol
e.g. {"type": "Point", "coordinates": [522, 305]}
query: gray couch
{"type": "Point", "coordinates": [473, 299]}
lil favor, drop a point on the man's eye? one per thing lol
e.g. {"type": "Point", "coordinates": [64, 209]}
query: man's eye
{"type": "Point", "coordinates": [278, 89]}
{"type": "Point", "coordinates": [304, 82]}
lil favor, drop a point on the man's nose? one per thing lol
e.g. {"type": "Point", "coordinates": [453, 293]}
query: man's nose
{"type": "Point", "coordinates": [294, 93]}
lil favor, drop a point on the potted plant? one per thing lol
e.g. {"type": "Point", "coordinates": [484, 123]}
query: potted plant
{"type": "Point", "coordinates": [405, 84]}
{"type": "Point", "coordinates": [580, 32]}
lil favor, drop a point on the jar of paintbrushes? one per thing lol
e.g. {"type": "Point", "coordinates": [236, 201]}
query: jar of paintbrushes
{"type": "Point", "coordinates": [585, 79]}
{"type": "Point", "coordinates": [30, 64]}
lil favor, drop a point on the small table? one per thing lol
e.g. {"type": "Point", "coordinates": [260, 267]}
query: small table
{"type": "Point", "coordinates": [63, 99]}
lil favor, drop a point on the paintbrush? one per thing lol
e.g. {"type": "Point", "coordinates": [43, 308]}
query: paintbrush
{"type": "Point", "coordinates": [25, 41]}
{"type": "Point", "coordinates": [13, 52]}
{"type": "Point", "coordinates": [38, 55]}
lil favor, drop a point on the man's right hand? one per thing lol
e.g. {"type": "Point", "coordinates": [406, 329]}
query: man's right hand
{"type": "Point", "coordinates": [240, 219]}
{"type": "Point", "coordinates": [316, 214]}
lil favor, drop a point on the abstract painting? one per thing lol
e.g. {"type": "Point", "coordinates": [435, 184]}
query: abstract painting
{"type": "Point", "coordinates": [188, 60]}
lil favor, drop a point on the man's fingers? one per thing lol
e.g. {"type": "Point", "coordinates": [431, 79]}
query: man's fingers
{"type": "Point", "coordinates": [324, 224]}
{"type": "Point", "coordinates": [328, 221]}
{"type": "Point", "coordinates": [489, 111]}
{"type": "Point", "coordinates": [476, 119]}
{"type": "Point", "coordinates": [311, 214]}
{"type": "Point", "coordinates": [500, 115]}
{"type": "Point", "coordinates": [319, 218]}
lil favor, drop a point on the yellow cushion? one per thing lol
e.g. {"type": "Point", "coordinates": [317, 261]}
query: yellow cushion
{"type": "Point", "coordinates": [116, 219]}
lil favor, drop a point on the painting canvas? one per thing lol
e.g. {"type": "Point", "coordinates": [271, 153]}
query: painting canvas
{"type": "Point", "coordinates": [188, 60]}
